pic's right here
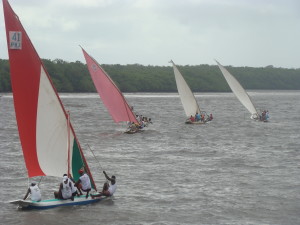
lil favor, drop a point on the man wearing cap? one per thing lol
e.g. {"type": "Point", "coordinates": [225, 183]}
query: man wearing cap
{"type": "Point", "coordinates": [34, 192]}
{"type": "Point", "coordinates": [84, 183]}
{"type": "Point", "coordinates": [108, 190]}
{"type": "Point", "coordinates": [65, 189]}
{"type": "Point", "coordinates": [74, 188]}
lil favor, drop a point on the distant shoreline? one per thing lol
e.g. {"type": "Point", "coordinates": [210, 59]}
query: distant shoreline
{"type": "Point", "coordinates": [204, 92]}
{"type": "Point", "coordinates": [73, 77]}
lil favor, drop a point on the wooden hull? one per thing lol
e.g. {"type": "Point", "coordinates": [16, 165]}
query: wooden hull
{"type": "Point", "coordinates": [52, 203]}
{"type": "Point", "coordinates": [133, 131]}
{"type": "Point", "coordinates": [198, 122]}
{"type": "Point", "coordinates": [259, 120]}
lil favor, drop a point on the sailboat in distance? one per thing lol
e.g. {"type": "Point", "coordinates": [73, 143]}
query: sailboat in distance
{"type": "Point", "coordinates": [112, 97]}
{"type": "Point", "coordinates": [242, 95]}
{"type": "Point", "coordinates": [49, 144]}
{"type": "Point", "coordinates": [188, 100]}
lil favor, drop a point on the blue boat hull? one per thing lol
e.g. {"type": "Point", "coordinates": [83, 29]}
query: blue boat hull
{"type": "Point", "coordinates": [52, 203]}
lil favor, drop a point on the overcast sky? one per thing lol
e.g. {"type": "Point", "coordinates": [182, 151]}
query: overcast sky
{"type": "Point", "coordinates": [253, 33]}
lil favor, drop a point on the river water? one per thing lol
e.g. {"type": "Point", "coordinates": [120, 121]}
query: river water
{"type": "Point", "coordinates": [230, 171]}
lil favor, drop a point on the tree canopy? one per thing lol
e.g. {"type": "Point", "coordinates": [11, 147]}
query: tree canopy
{"type": "Point", "coordinates": [74, 77]}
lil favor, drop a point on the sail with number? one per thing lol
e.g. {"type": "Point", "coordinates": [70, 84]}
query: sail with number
{"type": "Point", "coordinates": [112, 97]}
{"type": "Point", "coordinates": [239, 91]}
{"type": "Point", "coordinates": [187, 97]}
{"type": "Point", "coordinates": [50, 146]}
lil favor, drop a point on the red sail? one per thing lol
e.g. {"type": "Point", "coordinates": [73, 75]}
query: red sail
{"type": "Point", "coordinates": [110, 94]}
{"type": "Point", "coordinates": [25, 70]}
{"type": "Point", "coordinates": [41, 117]}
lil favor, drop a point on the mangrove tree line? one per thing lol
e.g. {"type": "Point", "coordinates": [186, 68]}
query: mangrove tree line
{"type": "Point", "coordinates": [74, 77]}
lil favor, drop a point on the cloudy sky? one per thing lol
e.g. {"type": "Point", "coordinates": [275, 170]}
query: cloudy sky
{"type": "Point", "coordinates": [254, 33]}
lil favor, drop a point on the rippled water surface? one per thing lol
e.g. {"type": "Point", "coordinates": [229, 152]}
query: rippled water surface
{"type": "Point", "coordinates": [230, 171]}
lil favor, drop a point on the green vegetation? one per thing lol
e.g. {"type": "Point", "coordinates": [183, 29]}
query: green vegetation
{"type": "Point", "coordinates": [74, 77]}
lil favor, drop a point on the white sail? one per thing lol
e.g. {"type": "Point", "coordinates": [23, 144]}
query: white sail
{"type": "Point", "coordinates": [187, 98]}
{"type": "Point", "coordinates": [239, 91]}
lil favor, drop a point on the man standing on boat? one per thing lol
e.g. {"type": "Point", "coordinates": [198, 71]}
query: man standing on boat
{"type": "Point", "coordinates": [84, 183]}
{"type": "Point", "coordinates": [35, 192]}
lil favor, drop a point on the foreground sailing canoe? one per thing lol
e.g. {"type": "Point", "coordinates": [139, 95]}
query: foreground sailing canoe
{"type": "Point", "coordinates": [112, 97]}
{"type": "Point", "coordinates": [50, 146]}
{"type": "Point", "coordinates": [241, 94]}
{"type": "Point", "coordinates": [188, 100]}
{"type": "Point", "coordinates": [52, 203]}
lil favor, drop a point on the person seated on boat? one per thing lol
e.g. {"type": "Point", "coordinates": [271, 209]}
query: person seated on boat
{"type": "Point", "coordinates": [107, 190]}
{"type": "Point", "coordinates": [210, 117]}
{"type": "Point", "coordinates": [65, 189]}
{"type": "Point", "coordinates": [145, 121]}
{"type": "Point", "coordinates": [143, 124]}
{"type": "Point", "coordinates": [73, 187]}
{"type": "Point", "coordinates": [134, 127]}
{"type": "Point", "coordinates": [192, 119]}
{"type": "Point", "coordinates": [34, 192]}
{"type": "Point", "coordinates": [264, 115]}
{"type": "Point", "coordinates": [267, 115]}
{"type": "Point", "coordinates": [202, 117]}
{"type": "Point", "coordinates": [139, 118]}
{"type": "Point", "coordinates": [149, 120]}
{"type": "Point", "coordinates": [197, 116]}
{"type": "Point", "coordinates": [83, 183]}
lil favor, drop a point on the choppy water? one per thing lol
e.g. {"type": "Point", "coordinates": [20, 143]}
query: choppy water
{"type": "Point", "coordinates": [230, 171]}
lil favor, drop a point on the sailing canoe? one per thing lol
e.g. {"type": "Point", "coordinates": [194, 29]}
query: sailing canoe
{"type": "Point", "coordinates": [53, 203]}
{"type": "Point", "coordinates": [49, 144]}
{"type": "Point", "coordinates": [188, 100]}
{"type": "Point", "coordinates": [112, 97]}
{"type": "Point", "coordinates": [239, 91]}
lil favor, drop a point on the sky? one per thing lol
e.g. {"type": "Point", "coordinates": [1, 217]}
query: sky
{"type": "Point", "coordinates": [255, 33]}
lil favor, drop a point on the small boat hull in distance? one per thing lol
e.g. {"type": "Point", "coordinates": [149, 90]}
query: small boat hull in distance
{"type": "Point", "coordinates": [188, 100]}
{"type": "Point", "coordinates": [260, 117]}
{"type": "Point", "coordinates": [52, 203]}
{"type": "Point", "coordinates": [195, 122]}
{"type": "Point", "coordinates": [133, 131]}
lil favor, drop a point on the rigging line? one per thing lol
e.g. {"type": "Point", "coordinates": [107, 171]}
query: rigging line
{"type": "Point", "coordinates": [95, 157]}
{"type": "Point", "coordinates": [40, 181]}
{"type": "Point", "coordinates": [27, 187]}
{"type": "Point", "coordinates": [76, 127]}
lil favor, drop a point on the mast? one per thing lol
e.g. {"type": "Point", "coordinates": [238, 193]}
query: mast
{"type": "Point", "coordinates": [68, 125]}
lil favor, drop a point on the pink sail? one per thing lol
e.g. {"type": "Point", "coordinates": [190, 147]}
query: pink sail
{"type": "Point", "coordinates": [49, 143]}
{"type": "Point", "coordinates": [110, 94]}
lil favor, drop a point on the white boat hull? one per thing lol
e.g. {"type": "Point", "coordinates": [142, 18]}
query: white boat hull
{"type": "Point", "coordinates": [52, 203]}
